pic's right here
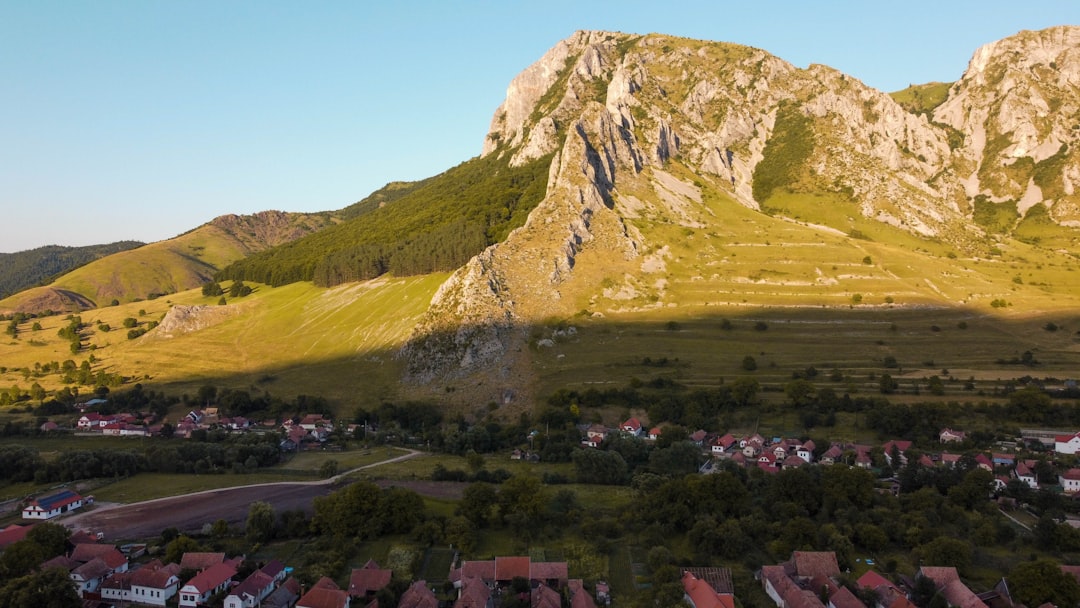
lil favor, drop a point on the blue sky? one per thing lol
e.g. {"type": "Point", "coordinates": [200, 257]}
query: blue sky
{"type": "Point", "coordinates": [144, 119]}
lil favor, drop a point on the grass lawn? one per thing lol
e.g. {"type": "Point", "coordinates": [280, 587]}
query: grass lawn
{"type": "Point", "coordinates": [346, 459]}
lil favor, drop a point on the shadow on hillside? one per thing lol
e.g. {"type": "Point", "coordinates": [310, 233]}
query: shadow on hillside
{"type": "Point", "coordinates": [701, 351]}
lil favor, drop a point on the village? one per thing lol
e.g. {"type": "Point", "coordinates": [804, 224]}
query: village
{"type": "Point", "coordinates": [108, 575]}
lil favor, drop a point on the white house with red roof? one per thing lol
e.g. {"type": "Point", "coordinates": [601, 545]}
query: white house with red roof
{"type": "Point", "coordinates": [948, 435]}
{"type": "Point", "coordinates": [51, 506]}
{"type": "Point", "coordinates": [1067, 444]}
{"type": "Point", "coordinates": [1025, 473]}
{"type": "Point", "coordinates": [1070, 481]}
{"type": "Point", "coordinates": [206, 583]}
{"type": "Point", "coordinates": [724, 444]}
{"type": "Point", "coordinates": [631, 427]}
{"type": "Point", "coordinates": [154, 583]}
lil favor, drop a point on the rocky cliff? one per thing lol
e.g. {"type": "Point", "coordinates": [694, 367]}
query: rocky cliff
{"type": "Point", "coordinates": [645, 129]}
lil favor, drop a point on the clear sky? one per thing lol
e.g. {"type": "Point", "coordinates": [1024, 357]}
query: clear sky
{"type": "Point", "coordinates": [143, 119]}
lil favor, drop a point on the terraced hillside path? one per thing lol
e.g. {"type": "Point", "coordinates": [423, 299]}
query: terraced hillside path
{"type": "Point", "coordinates": [189, 512]}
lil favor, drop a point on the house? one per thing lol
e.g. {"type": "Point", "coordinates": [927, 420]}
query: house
{"type": "Point", "coordinates": [53, 505]}
{"type": "Point", "coordinates": [154, 583]}
{"type": "Point", "coordinates": [198, 560]}
{"type": "Point", "coordinates": [701, 594]}
{"type": "Point", "coordinates": [832, 455]}
{"type": "Point", "coordinates": [806, 451]}
{"type": "Point", "coordinates": [948, 583]}
{"type": "Point", "coordinates": [579, 597]}
{"type": "Point", "coordinates": [366, 581]}
{"type": "Point", "coordinates": [503, 570]}
{"type": "Point", "coordinates": [13, 534]}
{"type": "Point", "coordinates": [723, 444]}
{"type": "Point", "coordinates": [1025, 474]}
{"type": "Point", "coordinates": [793, 462]}
{"type": "Point", "coordinates": [324, 594]}
{"type": "Point", "coordinates": [206, 583]}
{"type": "Point", "coordinates": [800, 582]}
{"type": "Point", "coordinates": [543, 596]}
{"type": "Point", "coordinates": [1067, 444]}
{"type": "Point", "coordinates": [597, 431]}
{"type": "Point", "coordinates": [89, 421]}
{"type": "Point", "coordinates": [474, 593]}
{"type": "Point", "coordinates": [313, 421]}
{"type": "Point", "coordinates": [984, 463]}
{"type": "Point", "coordinates": [631, 427]}
{"type": "Point", "coordinates": [89, 576]}
{"type": "Point", "coordinates": [654, 433]}
{"type": "Point", "coordinates": [251, 591]}
{"type": "Point", "coordinates": [949, 460]}
{"type": "Point", "coordinates": [117, 587]}
{"type": "Point", "coordinates": [1070, 481]}
{"type": "Point", "coordinates": [284, 596]}
{"type": "Point", "coordinates": [888, 594]}
{"type": "Point", "coordinates": [948, 435]}
{"type": "Point", "coordinates": [109, 554]}
{"type": "Point", "coordinates": [899, 447]}
{"type": "Point", "coordinates": [698, 437]}
{"type": "Point", "coordinates": [416, 596]}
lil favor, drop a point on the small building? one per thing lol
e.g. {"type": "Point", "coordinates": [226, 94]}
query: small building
{"type": "Point", "coordinates": [1067, 444]}
{"type": "Point", "coordinates": [205, 584]}
{"type": "Point", "coordinates": [1070, 481]}
{"type": "Point", "coordinates": [948, 435]}
{"type": "Point", "coordinates": [53, 506]}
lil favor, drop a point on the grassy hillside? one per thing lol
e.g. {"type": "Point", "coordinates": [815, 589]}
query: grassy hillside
{"type": "Point", "coordinates": [407, 229]}
{"type": "Point", "coordinates": [36, 266]}
{"type": "Point", "coordinates": [174, 265]}
{"type": "Point", "coordinates": [297, 339]}
{"type": "Point", "coordinates": [922, 98]}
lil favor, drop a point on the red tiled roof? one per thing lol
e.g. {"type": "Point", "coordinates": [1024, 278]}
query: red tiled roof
{"type": "Point", "coordinates": [211, 577]}
{"type": "Point", "coordinates": [107, 553]}
{"type": "Point", "coordinates": [474, 594]}
{"type": "Point", "coordinates": [545, 597]}
{"type": "Point", "coordinates": [417, 596]}
{"type": "Point", "coordinates": [507, 568]}
{"type": "Point", "coordinates": [195, 560]}
{"type": "Point", "coordinates": [480, 569]}
{"type": "Point", "coordinates": [872, 580]}
{"type": "Point", "coordinates": [815, 563]}
{"type": "Point", "coordinates": [845, 599]}
{"type": "Point", "coordinates": [95, 568]}
{"type": "Point", "coordinates": [1071, 474]}
{"type": "Point", "coordinates": [548, 571]}
{"type": "Point", "coordinates": [368, 579]}
{"type": "Point", "coordinates": [13, 534]}
{"type": "Point", "coordinates": [703, 595]}
{"type": "Point", "coordinates": [321, 597]}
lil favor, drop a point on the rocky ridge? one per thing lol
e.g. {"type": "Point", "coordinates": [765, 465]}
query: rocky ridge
{"type": "Point", "coordinates": [644, 127]}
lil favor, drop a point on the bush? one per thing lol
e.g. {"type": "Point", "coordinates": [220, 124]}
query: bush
{"type": "Point", "coordinates": [749, 363]}
{"type": "Point", "coordinates": [130, 322]}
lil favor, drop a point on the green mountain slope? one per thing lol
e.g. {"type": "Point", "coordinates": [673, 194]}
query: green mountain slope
{"type": "Point", "coordinates": [434, 225]}
{"type": "Point", "coordinates": [28, 268]}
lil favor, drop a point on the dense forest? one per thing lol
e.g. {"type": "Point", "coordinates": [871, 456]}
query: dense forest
{"type": "Point", "coordinates": [406, 229]}
{"type": "Point", "coordinates": [38, 266]}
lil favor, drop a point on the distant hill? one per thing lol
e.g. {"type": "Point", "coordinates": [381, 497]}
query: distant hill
{"type": "Point", "coordinates": [173, 265]}
{"type": "Point", "coordinates": [38, 266]}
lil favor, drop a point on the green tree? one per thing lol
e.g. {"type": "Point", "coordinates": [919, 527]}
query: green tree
{"type": "Point", "coordinates": [212, 289]}
{"type": "Point", "coordinates": [476, 503]}
{"type": "Point", "coordinates": [749, 363]}
{"type": "Point", "coordinates": [328, 468]}
{"type": "Point", "coordinates": [52, 538]}
{"type": "Point", "coordinates": [1042, 581]}
{"type": "Point", "coordinates": [946, 551]}
{"type": "Point", "coordinates": [260, 525]}
{"type": "Point", "coordinates": [600, 467]}
{"type": "Point", "coordinates": [49, 588]}
{"type": "Point", "coordinates": [180, 545]}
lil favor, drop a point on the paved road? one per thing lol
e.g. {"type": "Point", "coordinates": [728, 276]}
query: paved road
{"type": "Point", "coordinates": [189, 512]}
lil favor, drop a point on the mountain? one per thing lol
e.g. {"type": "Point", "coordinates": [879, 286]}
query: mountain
{"type": "Point", "coordinates": [28, 268]}
{"type": "Point", "coordinates": [169, 266]}
{"type": "Point", "coordinates": [647, 207]}
{"type": "Point", "coordinates": [654, 133]}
